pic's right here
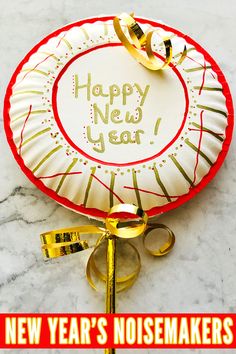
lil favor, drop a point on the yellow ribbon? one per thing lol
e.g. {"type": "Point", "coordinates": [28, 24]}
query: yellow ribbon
{"type": "Point", "coordinates": [141, 40]}
{"type": "Point", "coordinates": [62, 242]}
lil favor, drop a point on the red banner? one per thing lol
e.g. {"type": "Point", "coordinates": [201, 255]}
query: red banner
{"type": "Point", "coordinates": [118, 331]}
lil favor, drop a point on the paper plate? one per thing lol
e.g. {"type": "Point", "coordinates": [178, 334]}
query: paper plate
{"type": "Point", "coordinates": [91, 127]}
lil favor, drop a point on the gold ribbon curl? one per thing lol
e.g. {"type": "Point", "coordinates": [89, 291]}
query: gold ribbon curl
{"type": "Point", "coordinates": [67, 241]}
{"type": "Point", "coordinates": [143, 41]}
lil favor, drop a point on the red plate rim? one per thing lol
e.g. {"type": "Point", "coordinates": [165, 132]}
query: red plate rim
{"type": "Point", "coordinates": [97, 213]}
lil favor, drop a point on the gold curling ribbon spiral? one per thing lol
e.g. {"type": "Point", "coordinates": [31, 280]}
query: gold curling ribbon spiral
{"type": "Point", "coordinates": [62, 242]}
{"type": "Point", "coordinates": [141, 40]}
{"type": "Point", "coordinates": [67, 241]}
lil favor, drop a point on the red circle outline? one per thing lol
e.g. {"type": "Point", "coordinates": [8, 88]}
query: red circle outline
{"type": "Point", "coordinates": [93, 212]}
{"type": "Point", "coordinates": [70, 141]}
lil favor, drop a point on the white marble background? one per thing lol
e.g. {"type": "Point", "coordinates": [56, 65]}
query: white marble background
{"type": "Point", "coordinates": [199, 276]}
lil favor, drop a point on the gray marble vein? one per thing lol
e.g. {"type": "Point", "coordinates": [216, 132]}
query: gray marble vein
{"type": "Point", "coordinates": [199, 275]}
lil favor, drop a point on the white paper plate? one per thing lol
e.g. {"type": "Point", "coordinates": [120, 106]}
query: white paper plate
{"type": "Point", "coordinates": [128, 134]}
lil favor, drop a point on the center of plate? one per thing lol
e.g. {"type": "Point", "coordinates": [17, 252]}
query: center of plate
{"type": "Point", "coordinates": [112, 109]}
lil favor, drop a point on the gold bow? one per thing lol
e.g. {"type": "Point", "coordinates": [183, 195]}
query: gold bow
{"type": "Point", "coordinates": [141, 40]}
{"type": "Point", "coordinates": [134, 220]}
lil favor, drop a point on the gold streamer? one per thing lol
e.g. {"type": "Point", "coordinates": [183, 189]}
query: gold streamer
{"type": "Point", "coordinates": [141, 40]}
{"type": "Point", "coordinates": [62, 242]}
{"type": "Point", "coordinates": [67, 241]}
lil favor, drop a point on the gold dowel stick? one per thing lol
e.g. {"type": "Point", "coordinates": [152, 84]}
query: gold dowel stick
{"type": "Point", "coordinates": [111, 280]}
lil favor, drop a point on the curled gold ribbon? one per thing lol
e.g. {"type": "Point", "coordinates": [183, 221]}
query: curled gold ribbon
{"type": "Point", "coordinates": [141, 40]}
{"type": "Point", "coordinates": [66, 241]}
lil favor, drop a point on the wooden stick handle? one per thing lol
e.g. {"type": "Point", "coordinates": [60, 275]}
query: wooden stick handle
{"type": "Point", "coordinates": [111, 280]}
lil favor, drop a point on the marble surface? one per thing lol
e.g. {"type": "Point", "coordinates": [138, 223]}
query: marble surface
{"type": "Point", "coordinates": [199, 276]}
